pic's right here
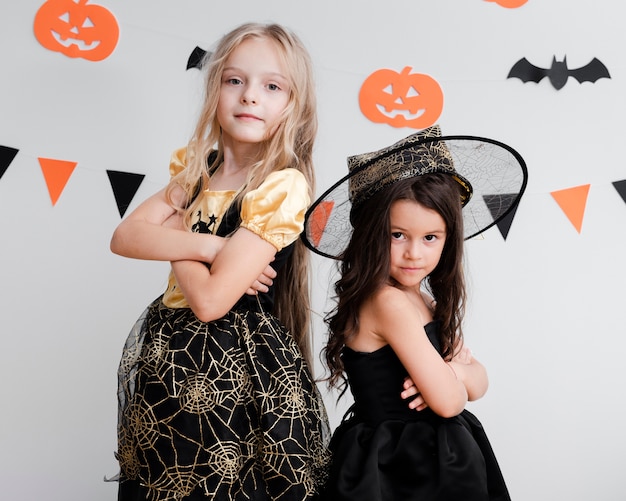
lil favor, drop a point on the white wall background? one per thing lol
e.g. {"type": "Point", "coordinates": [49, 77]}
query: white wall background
{"type": "Point", "coordinates": [547, 305]}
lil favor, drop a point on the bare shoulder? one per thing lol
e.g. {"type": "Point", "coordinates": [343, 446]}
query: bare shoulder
{"type": "Point", "coordinates": [389, 300]}
{"type": "Point", "coordinates": [393, 315]}
{"type": "Point", "coordinates": [377, 317]}
{"type": "Point", "coordinates": [393, 306]}
{"type": "Point", "coordinates": [388, 293]}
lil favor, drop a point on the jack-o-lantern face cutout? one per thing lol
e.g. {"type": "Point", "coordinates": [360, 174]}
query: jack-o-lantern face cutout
{"type": "Point", "coordinates": [76, 29]}
{"type": "Point", "coordinates": [402, 99]}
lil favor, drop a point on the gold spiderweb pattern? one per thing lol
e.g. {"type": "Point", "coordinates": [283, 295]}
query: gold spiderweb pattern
{"type": "Point", "coordinates": [225, 408]}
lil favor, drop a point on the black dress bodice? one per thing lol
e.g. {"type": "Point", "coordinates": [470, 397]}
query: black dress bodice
{"type": "Point", "coordinates": [376, 380]}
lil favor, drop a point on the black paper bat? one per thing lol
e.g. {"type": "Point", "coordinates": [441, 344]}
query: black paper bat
{"type": "Point", "coordinates": [558, 73]}
{"type": "Point", "coordinates": [196, 58]}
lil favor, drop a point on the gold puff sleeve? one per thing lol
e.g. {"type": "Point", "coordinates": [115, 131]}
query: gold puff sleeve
{"type": "Point", "coordinates": [275, 210]}
{"type": "Point", "coordinates": [178, 161]}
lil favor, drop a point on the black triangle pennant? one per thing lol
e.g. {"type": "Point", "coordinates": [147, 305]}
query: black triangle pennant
{"type": "Point", "coordinates": [497, 205]}
{"type": "Point", "coordinates": [620, 186]}
{"type": "Point", "coordinates": [7, 154]}
{"type": "Point", "coordinates": [125, 186]}
{"type": "Point", "coordinates": [504, 225]}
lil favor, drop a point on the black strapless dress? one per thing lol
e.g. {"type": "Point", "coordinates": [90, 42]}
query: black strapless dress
{"type": "Point", "coordinates": [386, 451]}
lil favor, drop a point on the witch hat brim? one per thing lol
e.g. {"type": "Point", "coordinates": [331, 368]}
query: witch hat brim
{"type": "Point", "coordinates": [497, 175]}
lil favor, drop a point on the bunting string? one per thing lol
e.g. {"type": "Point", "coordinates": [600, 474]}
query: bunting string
{"type": "Point", "coordinates": [572, 201]}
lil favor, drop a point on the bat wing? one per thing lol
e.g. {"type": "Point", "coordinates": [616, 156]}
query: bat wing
{"type": "Point", "coordinates": [527, 72]}
{"type": "Point", "coordinates": [196, 58]}
{"type": "Point", "coordinates": [591, 72]}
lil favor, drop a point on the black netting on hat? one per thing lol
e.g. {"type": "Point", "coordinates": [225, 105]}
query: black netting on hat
{"type": "Point", "coordinates": [496, 172]}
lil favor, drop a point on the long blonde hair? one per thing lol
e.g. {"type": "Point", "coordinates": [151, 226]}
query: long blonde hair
{"type": "Point", "coordinates": [291, 145]}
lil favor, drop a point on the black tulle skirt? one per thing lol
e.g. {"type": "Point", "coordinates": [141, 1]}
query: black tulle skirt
{"type": "Point", "coordinates": [223, 410]}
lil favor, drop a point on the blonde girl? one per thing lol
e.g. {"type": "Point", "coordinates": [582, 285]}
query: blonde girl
{"type": "Point", "coordinates": [216, 397]}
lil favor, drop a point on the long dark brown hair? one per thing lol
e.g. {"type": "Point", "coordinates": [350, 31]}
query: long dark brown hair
{"type": "Point", "coordinates": [365, 265]}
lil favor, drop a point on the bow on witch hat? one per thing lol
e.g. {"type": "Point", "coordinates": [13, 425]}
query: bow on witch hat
{"type": "Point", "coordinates": [492, 177]}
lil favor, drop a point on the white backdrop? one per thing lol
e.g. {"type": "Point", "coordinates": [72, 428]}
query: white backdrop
{"type": "Point", "coordinates": [546, 308]}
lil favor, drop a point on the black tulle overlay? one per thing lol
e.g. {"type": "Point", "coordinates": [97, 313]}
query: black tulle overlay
{"type": "Point", "coordinates": [228, 409]}
{"type": "Point", "coordinates": [223, 410]}
{"type": "Point", "coordinates": [385, 451]}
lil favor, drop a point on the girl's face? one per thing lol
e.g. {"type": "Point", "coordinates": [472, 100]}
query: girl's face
{"type": "Point", "coordinates": [418, 236]}
{"type": "Point", "coordinates": [253, 94]}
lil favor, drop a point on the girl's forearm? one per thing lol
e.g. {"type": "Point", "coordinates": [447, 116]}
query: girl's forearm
{"type": "Point", "coordinates": [144, 240]}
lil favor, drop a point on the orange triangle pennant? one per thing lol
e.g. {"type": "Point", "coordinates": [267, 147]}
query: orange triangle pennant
{"type": "Point", "coordinates": [319, 218]}
{"type": "Point", "coordinates": [56, 173]}
{"type": "Point", "coordinates": [573, 202]}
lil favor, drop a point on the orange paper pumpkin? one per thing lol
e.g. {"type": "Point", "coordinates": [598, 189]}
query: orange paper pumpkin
{"type": "Point", "coordinates": [402, 99]}
{"type": "Point", "coordinates": [509, 4]}
{"type": "Point", "coordinates": [76, 29]}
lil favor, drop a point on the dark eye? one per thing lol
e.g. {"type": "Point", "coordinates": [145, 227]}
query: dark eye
{"type": "Point", "coordinates": [273, 86]}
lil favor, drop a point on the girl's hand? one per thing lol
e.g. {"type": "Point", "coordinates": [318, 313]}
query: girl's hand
{"type": "Point", "coordinates": [464, 356]}
{"type": "Point", "coordinates": [471, 372]}
{"type": "Point", "coordinates": [212, 292]}
{"type": "Point", "coordinates": [410, 390]}
{"type": "Point", "coordinates": [460, 360]}
{"type": "Point", "coordinates": [263, 282]}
